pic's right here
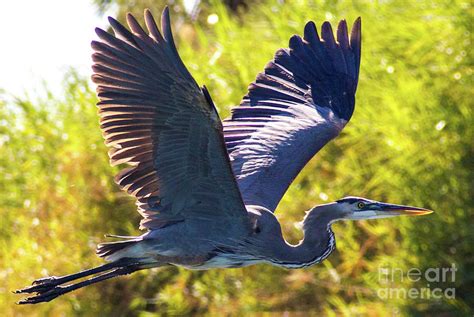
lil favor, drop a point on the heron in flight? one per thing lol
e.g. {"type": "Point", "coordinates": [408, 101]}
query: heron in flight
{"type": "Point", "coordinates": [207, 189]}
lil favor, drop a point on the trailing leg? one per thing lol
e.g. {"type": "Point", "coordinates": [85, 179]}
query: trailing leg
{"type": "Point", "coordinates": [48, 282]}
{"type": "Point", "coordinates": [47, 295]}
{"type": "Point", "coordinates": [51, 287]}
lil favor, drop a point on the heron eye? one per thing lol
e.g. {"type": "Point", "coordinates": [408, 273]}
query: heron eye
{"type": "Point", "coordinates": [360, 205]}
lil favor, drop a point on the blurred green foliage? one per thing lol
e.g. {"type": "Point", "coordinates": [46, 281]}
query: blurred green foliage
{"type": "Point", "coordinates": [409, 141]}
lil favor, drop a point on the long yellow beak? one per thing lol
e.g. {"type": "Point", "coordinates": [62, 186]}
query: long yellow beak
{"type": "Point", "coordinates": [405, 210]}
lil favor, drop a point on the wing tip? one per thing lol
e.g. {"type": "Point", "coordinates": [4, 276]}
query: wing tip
{"type": "Point", "coordinates": [327, 34]}
{"type": "Point", "coordinates": [130, 18]}
{"type": "Point", "coordinates": [356, 32]}
{"type": "Point", "coordinates": [112, 20]}
{"type": "Point", "coordinates": [166, 11]}
{"type": "Point", "coordinates": [166, 24]}
{"type": "Point", "coordinates": [148, 15]}
{"type": "Point", "coordinates": [100, 32]}
{"type": "Point", "coordinates": [342, 34]}
{"type": "Point", "coordinates": [356, 41]}
{"type": "Point", "coordinates": [295, 40]}
{"type": "Point", "coordinates": [357, 26]}
{"type": "Point", "coordinates": [311, 32]}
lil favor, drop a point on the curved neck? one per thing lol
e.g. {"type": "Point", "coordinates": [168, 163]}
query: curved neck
{"type": "Point", "coordinates": [317, 244]}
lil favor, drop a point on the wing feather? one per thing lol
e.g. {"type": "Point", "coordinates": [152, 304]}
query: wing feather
{"type": "Point", "coordinates": [301, 101]}
{"type": "Point", "coordinates": [156, 119]}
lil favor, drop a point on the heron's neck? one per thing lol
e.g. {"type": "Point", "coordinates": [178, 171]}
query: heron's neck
{"type": "Point", "coordinates": [317, 244]}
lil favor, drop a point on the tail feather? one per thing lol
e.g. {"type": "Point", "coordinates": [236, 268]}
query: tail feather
{"type": "Point", "coordinates": [108, 248]}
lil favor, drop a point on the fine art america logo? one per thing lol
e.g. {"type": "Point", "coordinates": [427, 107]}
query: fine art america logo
{"type": "Point", "coordinates": [437, 281]}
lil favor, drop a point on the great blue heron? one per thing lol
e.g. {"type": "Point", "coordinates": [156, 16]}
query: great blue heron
{"type": "Point", "coordinates": [207, 189]}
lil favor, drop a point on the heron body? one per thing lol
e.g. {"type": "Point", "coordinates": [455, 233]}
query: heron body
{"type": "Point", "coordinates": [207, 190]}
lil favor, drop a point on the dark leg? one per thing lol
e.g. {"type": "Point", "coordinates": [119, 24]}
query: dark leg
{"type": "Point", "coordinates": [48, 282]}
{"type": "Point", "coordinates": [51, 287]}
{"type": "Point", "coordinates": [55, 291]}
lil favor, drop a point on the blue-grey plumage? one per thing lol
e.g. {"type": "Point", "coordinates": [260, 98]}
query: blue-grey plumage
{"type": "Point", "coordinates": [301, 101]}
{"type": "Point", "coordinates": [206, 190]}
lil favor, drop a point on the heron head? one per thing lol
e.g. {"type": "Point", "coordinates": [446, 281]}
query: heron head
{"type": "Point", "coordinates": [357, 208]}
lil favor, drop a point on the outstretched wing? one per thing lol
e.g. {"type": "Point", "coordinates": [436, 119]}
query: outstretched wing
{"type": "Point", "coordinates": [301, 101]}
{"type": "Point", "coordinates": [156, 119]}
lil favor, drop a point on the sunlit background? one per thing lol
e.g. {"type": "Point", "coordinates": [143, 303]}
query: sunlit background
{"type": "Point", "coordinates": [410, 141]}
{"type": "Point", "coordinates": [41, 40]}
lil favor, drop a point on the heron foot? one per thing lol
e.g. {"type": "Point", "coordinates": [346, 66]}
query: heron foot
{"type": "Point", "coordinates": [44, 296]}
{"type": "Point", "coordinates": [40, 285]}
{"type": "Point", "coordinates": [48, 288]}
{"type": "Point", "coordinates": [44, 280]}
